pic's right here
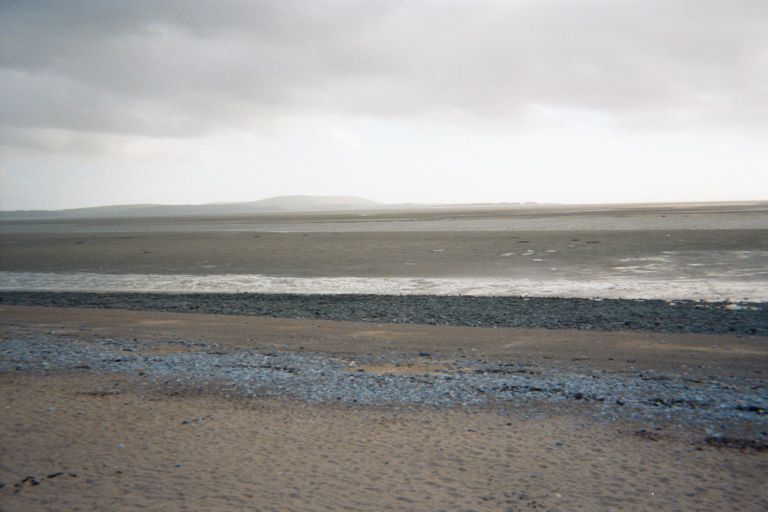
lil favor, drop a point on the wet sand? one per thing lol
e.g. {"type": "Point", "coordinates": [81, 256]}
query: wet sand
{"type": "Point", "coordinates": [535, 242]}
{"type": "Point", "coordinates": [683, 252]}
{"type": "Point", "coordinates": [536, 217]}
{"type": "Point", "coordinates": [585, 255]}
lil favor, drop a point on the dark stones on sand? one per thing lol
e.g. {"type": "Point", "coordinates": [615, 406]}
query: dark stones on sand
{"type": "Point", "coordinates": [521, 312]}
{"type": "Point", "coordinates": [31, 480]}
{"type": "Point", "coordinates": [737, 443]}
{"type": "Point", "coordinates": [199, 419]}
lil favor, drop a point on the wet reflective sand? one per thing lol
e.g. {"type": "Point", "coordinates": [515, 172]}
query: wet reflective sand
{"type": "Point", "coordinates": [713, 252]}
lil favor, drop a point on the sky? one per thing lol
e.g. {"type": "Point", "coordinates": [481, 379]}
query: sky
{"type": "Point", "coordinates": [451, 101]}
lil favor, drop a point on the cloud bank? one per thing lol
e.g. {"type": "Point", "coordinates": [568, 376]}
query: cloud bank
{"type": "Point", "coordinates": [78, 71]}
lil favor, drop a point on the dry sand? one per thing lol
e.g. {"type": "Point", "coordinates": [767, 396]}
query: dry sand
{"type": "Point", "coordinates": [133, 444]}
{"type": "Point", "coordinates": [130, 449]}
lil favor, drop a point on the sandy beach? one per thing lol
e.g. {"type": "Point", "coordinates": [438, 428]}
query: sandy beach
{"type": "Point", "coordinates": [95, 435]}
{"type": "Point", "coordinates": [93, 443]}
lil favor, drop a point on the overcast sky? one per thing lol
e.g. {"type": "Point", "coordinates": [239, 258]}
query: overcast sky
{"type": "Point", "coordinates": [429, 101]}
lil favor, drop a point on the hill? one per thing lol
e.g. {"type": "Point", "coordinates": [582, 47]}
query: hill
{"type": "Point", "coordinates": [268, 205]}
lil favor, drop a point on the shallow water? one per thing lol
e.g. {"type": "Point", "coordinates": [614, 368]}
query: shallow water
{"type": "Point", "coordinates": [617, 287]}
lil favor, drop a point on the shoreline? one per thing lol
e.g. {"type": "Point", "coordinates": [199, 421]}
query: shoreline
{"type": "Point", "coordinates": [608, 287]}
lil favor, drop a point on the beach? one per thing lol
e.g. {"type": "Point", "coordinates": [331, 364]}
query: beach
{"type": "Point", "coordinates": [422, 368]}
{"type": "Point", "coordinates": [384, 256]}
{"type": "Point", "coordinates": [118, 431]}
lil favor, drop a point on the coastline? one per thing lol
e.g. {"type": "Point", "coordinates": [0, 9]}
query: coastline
{"type": "Point", "coordinates": [444, 360]}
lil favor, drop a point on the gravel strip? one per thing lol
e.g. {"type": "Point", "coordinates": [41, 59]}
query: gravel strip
{"type": "Point", "coordinates": [711, 405]}
{"type": "Point", "coordinates": [523, 312]}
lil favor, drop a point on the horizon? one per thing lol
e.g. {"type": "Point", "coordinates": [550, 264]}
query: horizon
{"type": "Point", "coordinates": [431, 102]}
{"type": "Point", "coordinates": [374, 204]}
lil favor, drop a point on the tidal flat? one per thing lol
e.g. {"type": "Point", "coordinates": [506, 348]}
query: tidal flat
{"type": "Point", "coordinates": [528, 358]}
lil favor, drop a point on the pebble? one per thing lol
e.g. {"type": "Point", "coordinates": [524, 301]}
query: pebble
{"type": "Point", "coordinates": [318, 377]}
{"type": "Point", "coordinates": [548, 312]}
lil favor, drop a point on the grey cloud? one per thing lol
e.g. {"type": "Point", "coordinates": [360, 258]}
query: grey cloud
{"type": "Point", "coordinates": [183, 68]}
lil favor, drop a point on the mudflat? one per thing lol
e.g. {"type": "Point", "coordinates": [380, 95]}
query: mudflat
{"type": "Point", "coordinates": [700, 252]}
{"type": "Point", "coordinates": [664, 242]}
{"type": "Point", "coordinates": [534, 217]}
{"type": "Point", "coordinates": [539, 254]}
